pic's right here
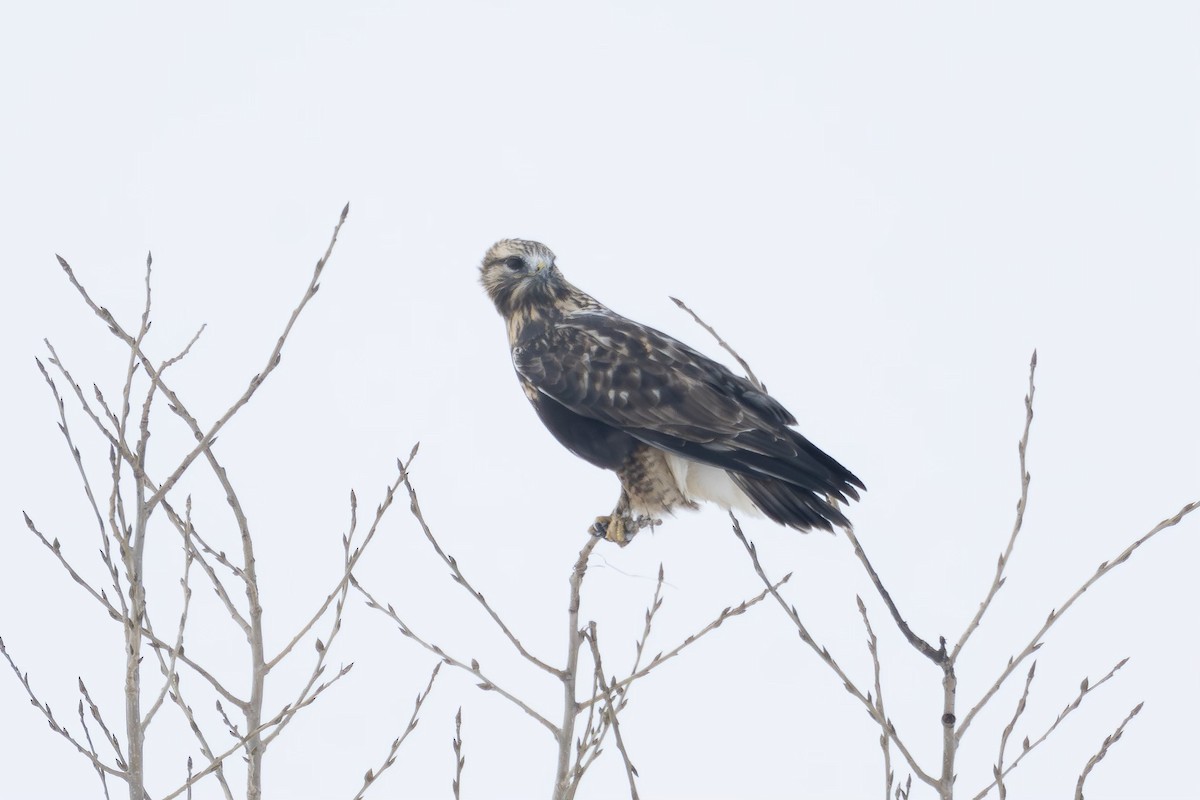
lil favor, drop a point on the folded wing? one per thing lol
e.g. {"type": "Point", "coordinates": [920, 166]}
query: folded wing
{"type": "Point", "coordinates": [660, 391]}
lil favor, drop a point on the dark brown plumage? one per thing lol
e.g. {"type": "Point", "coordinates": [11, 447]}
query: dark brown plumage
{"type": "Point", "coordinates": [674, 425]}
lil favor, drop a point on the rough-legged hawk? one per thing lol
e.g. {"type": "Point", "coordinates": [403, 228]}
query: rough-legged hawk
{"type": "Point", "coordinates": [676, 426]}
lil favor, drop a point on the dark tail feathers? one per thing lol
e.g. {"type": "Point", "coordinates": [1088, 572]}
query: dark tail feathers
{"type": "Point", "coordinates": [789, 504]}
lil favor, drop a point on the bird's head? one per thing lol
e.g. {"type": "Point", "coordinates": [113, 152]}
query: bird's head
{"type": "Point", "coordinates": [519, 273]}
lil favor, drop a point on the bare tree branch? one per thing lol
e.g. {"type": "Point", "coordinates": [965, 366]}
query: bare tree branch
{"type": "Point", "coordinates": [825, 655]}
{"type": "Point", "coordinates": [885, 736]}
{"type": "Point", "coordinates": [373, 775]}
{"type": "Point", "coordinates": [486, 683]}
{"type": "Point", "coordinates": [91, 746]}
{"type": "Point", "coordinates": [1027, 747]}
{"type": "Point", "coordinates": [461, 580]}
{"type": "Point", "coordinates": [171, 678]}
{"type": "Point", "coordinates": [272, 360]}
{"type": "Point", "coordinates": [1002, 562]}
{"type": "Point", "coordinates": [348, 567]}
{"type": "Point", "coordinates": [564, 782]}
{"type": "Point", "coordinates": [459, 759]}
{"type": "Point", "coordinates": [215, 763]}
{"type": "Point", "coordinates": [937, 656]}
{"type": "Point", "coordinates": [611, 709]}
{"type": "Point", "coordinates": [1109, 741]}
{"type": "Point", "coordinates": [749, 372]}
{"type": "Point", "coordinates": [86, 752]}
{"type": "Point", "coordinates": [1057, 614]}
{"type": "Point", "coordinates": [998, 769]}
{"type": "Point", "coordinates": [105, 540]}
{"type": "Point", "coordinates": [663, 657]}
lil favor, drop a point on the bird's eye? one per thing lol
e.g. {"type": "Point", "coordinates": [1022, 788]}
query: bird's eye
{"type": "Point", "coordinates": [514, 263]}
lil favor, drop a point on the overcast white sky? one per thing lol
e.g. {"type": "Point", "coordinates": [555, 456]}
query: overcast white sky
{"type": "Point", "coordinates": [886, 207]}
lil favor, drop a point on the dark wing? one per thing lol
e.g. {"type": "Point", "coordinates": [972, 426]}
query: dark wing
{"type": "Point", "coordinates": [660, 391]}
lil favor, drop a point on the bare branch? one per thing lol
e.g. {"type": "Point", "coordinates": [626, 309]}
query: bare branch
{"type": "Point", "coordinates": [100, 597]}
{"type": "Point", "coordinates": [1109, 741]}
{"type": "Point", "coordinates": [171, 678]}
{"type": "Point", "coordinates": [611, 709]}
{"type": "Point", "coordinates": [486, 683]}
{"type": "Point", "coordinates": [663, 657]}
{"type": "Point", "coordinates": [340, 588]}
{"type": "Point", "coordinates": [86, 752]}
{"type": "Point", "coordinates": [749, 372]}
{"type": "Point", "coordinates": [372, 775]}
{"type": "Point", "coordinates": [885, 736]}
{"type": "Point", "coordinates": [116, 614]}
{"type": "Point", "coordinates": [937, 656]}
{"type": "Point", "coordinates": [566, 780]}
{"type": "Point", "coordinates": [1057, 614]}
{"type": "Point", "coordinates": [998, 770]}
{"type": "Point", "coordinates": [109, 736]}
{"type": "Point", "coordinates": [215, 763]}
{"type": "Point", "coordinates": [655, 605]}
{"type": "Point", "coordinates": [323, 647]}
{"type": "Point", "coordinates": [825, 655]}
{"type": "Point", "coordinates": [459, 759]}
{"type": "Point", "coordinates": [192, 539]}
{"type": "Point", "coordinates": [1002, 562]}
{"type": "Point", "coordinates": [105, 540]}
{"type": "Point", "coordinates": [91, 746]}
{"type": "Point", "coordinates": [461, 579]}
{"type": "Point", "coordinates": [272, 359]}
{"type": "Point", "coordinates": [1085, 688]}
{"type": "Point", "coordinates": [55, 547]}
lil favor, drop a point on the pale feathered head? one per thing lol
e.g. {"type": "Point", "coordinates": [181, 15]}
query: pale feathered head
{"type": "Point", "coordinates": [518, 272]}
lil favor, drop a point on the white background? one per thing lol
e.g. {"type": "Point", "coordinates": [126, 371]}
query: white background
{"type": "Point", "coordinates": [885, 207]}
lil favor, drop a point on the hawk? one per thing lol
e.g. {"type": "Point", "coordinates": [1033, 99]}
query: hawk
{"type": "Point", "coordinates": [675, 426]}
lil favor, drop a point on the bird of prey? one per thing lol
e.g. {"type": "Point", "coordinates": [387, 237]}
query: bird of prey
{"type": "Point", "coordinates": [676, 426]}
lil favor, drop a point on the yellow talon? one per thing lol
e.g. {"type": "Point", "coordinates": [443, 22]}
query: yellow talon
{"type": "Point", "coordinates": [611, 528]}
{"type": "Point", "coordinates": [616, 531]}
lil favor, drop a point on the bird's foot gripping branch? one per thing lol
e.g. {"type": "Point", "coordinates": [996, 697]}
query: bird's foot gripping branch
{"type": "Point", "coordinates": [621, 528]}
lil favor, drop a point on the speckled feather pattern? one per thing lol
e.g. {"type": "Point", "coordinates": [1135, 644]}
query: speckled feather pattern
{"type": "Point", "coordinates": [623, 395]}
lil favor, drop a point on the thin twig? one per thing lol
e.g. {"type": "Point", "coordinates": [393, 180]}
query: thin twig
{"type": "Point", "coordinates": [749, 372]}
{"type": "Point", "coordinates": [1109, 741]}
{"type": "Point", "coordinates": [461, 579]}
{"type": "Point", "coordinates": [171, 678]}
{"type": "Point", "coordinates": [828, 658]}
{"type": "Point", "coordinates": [192, 539]}
{"type": "Point", "coordinates": [1057, 614]}
{"type": "Point", "coordinates": [373, 775]}
{"type": "Point", "coordinates": [588, 747]}
{"type": "Point", "coordinates": [54, 725]}
{"type": "Point", "coordinates": [255, 382]}
{"type": "Point", "coordinates": [459, 759]}
{"type": "Point", "coordinates": [215, 763]}
{"type": "Point", "coordinates": [1027, 747]}
{"type": "Point", "coordinates": [105, 540]}
{"type": "Point", "coordinates": [998, 769]}
{"type": "Point", "coordinates": [348, 569]}
{"type": "Point", "coordinates": [1002, 562]}
{"type": "Point", "coordinates": [611, 709]}
{"type": "Point", "coordinates": [109, 736]}
{"type": "Point", "coordinates": [564, 782]}
{"type": "Point", "coordinates": [486, 683]}
{"type": "Point", "coordinates": [348, 561]}
{"type": "Point", "coordinates": [665, 656]}
{"type": "Point", "coordinates": [936, 655]}
{"type": "Point", "coordinates": [56, 548]}
{"type": "Point", "coordinates": [92, 749]}
{"type": "Point", "coordinates": [655, 605]}
{"type": "Point", "coordinates": [885, 736]}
